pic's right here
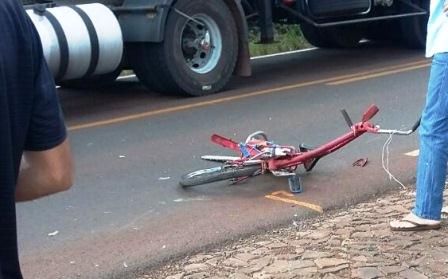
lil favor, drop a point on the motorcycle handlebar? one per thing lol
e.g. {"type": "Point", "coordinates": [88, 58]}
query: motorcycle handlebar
{"type": "Point", "coordinates": [370, 112]}
{"type": "Point", "coordinates": [400, 132]}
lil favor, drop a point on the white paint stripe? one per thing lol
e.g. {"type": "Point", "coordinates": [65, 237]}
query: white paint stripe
{"type": "Point", "coordinates": [283, 53]}
{"type": "Point", "coordinates": [413, 153]}
{"type": "Point", "coordinates": [190, 199]}
{"type": "Point", "coordinates": [252, 58]}
{"type": "Point", "coordinates": [124, 77]}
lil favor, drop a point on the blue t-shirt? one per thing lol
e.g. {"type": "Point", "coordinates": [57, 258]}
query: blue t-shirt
{"type": "Point", "coordinates": [30, 117]}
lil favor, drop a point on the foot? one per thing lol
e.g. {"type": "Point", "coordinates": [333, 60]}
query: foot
{"type": "Point", "coordinates": [445, 212]}
{"type": "Point", "coordinates": [412, 222]}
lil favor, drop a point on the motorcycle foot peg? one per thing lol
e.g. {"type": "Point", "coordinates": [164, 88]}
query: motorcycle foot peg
{"type": "Point", "coordinates": [295, 184]}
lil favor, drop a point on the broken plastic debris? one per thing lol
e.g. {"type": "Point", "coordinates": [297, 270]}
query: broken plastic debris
{"type": "Point", "coordinates": [125, 265]}
{"type": "Point", "coordinates": [53, 233]}
{"type": "Point", "coordinates": [361, 162]}
{"type": "Point", "coordinates": [164, 178]}
{"type": "Point", "coordinates": [121, 156]}
{"type": "Point", "coordinates": [190, 199]}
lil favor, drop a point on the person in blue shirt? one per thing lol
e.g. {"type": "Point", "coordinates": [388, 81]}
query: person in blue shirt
{"type": "Point", "coordinates": [35, 158]}
{"type": "Point", "coordinates": [433, 158]}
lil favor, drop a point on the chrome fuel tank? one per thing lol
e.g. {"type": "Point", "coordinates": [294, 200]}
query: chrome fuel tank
{"type": "Point", "coordinates": [79, 41]}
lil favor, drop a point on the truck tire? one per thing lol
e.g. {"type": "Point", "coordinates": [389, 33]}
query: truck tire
{"type": "Point", "coordinates": [414, 29]}
{"type": "Point", "coordinates": [28, 2]}
{"type": "Point", "coordinates": [332, 37]}
{"type": "Point", "coordinates": [198, 54]}
{"type": "Point", "coordinates": [93, 82]}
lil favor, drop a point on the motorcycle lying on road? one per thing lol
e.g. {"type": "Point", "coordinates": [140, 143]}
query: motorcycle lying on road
{"type": "Point", "coordinates": [258, 155]}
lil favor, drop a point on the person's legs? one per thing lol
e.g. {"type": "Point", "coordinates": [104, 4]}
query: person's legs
{"type": "Point", "coordinates": [432, 162]}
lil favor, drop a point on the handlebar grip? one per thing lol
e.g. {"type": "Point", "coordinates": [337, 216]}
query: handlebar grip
{"type": "Point", "coordinates": [416, 125]}
{"type": "Point", "coordinates": [347, 118]}
{"type": "Point", "coordinates": [369, 113]}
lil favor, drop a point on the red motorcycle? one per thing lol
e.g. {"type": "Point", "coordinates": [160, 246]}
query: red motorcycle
{"type": "Point", "coordinates": [258, 155]}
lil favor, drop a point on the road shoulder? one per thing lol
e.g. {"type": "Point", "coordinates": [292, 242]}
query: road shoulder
{"type": "Point", "coordinates": [353, 243]}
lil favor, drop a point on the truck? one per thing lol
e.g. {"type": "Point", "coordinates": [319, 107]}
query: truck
{"type": "Point", "coordinates": [193, 47]}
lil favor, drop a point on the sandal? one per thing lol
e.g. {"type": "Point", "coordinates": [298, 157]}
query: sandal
{"type": "Point", "coordinates": [445, 212]}
{"type": "Point", "coordinates": [414, 226]}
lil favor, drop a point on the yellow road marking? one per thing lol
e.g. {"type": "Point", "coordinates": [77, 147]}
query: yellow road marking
{"type": "Point", "coordinates": [379, 74]}
{"type": "Point", "coordinates": [384, 69]}
{"type": "Point", "coordinates": [284, 193]}
{"type": "Point", "coordinates": [290, 199]}
{"type": "Point", "coordinates": [413, 153]}
{"type": "Point", "coordinates": [343, 78]}
{"type": "Point", "coordinates": [190, 106]}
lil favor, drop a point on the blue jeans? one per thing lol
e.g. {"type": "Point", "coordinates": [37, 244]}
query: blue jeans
{"type": "Point", "coordinates": [432, 162]}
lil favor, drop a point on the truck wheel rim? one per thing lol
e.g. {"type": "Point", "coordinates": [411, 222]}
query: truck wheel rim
{"type": "Point", "coordinates": [201, 43]}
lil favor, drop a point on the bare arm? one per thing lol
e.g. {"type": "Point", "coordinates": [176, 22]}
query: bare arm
{"type": "Point", "coordinates": [44, 173]}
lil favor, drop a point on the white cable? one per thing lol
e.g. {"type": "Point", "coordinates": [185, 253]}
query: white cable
{"type": "Point", "coordinates": [385, 163]}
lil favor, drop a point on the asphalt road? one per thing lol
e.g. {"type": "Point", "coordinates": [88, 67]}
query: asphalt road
{"type": "Point", "coordinates": [127, 212]}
